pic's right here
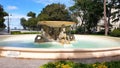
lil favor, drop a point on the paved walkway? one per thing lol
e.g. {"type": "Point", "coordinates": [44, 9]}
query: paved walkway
{"type": "Point", "coordinates": [35, 63]}
{"type": "Point", "coordinates": [20, 63]}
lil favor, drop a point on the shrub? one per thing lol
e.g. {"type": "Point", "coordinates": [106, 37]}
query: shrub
{"type": "Point", "coordinates": [101, 32]}
{"type": "Point", "coordinates": [80, 30]}
{"type": "Point", "coordinates": [113, 64]}
{"type": "Point", "coordinates": [30, 33]}
{"type": "Point", "coordinates": [115, 33]}
{"type": "Point", "coordinates": [49, 65]}
{"type": "Point", "coordinates": [1, 29]}
{"type": "Point", "coordinates": [99, 65]}
{"type": "Point", "coordinates": [70, 64]}
{"type": "Point", "coordinates": [59, 64]}
{"type": "Point", "coordinates": [73, 32]}
{"type": "Point", "coordinates": [19, 32]}
{"type": "Point", "coordinates": [15, 32]}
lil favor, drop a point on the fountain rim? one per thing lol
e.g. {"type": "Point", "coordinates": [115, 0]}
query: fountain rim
{"type": "Point", "coordinates": [59, 50]}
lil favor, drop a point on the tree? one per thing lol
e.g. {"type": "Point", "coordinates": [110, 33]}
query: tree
{"type": "Point", "coordinates": [2, 15]}
{"type": "Point", "coordinates": [31, 23]}
{"type": "Point", "coordinates": [31, 14]}
{"type": "Point", "coordinates": [54, 12]}
{"type": "Point", "coordinates": [114, 16]}
{"type": "Point", "coordinates": [23, 22]}
{"type": "Point", "coordinates": [88, 12]}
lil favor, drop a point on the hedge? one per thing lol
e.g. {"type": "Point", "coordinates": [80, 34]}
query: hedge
{"type": "Point", "coordinates": [18, 32]}
{"type": "Point", "coordinates": [115, 33]}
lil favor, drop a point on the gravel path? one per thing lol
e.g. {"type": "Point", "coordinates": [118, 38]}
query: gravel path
{"type": "Point", "coordinates": [35, 63]}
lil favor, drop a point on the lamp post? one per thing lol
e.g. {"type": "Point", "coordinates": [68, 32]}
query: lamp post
{"type": "Point", "coordinates": [9, 23]}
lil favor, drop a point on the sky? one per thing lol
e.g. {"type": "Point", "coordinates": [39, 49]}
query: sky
{"type": "Point", "coordinates": [19, 8]}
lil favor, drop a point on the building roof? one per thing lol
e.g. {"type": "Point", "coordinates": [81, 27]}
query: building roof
{"type": "Point", "coordinates": [56, 23]}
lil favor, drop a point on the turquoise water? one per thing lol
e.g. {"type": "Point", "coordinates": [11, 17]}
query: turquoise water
{"type": "Point", "coordinates": [75, 44]}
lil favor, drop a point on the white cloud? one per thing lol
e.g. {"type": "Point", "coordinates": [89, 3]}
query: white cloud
{"type": "Point", "coordinates": [12, 7]}
{"type": "Point", "coordinates": [46, 2]}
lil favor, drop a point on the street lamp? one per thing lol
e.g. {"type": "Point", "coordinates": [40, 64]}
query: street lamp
{"type": "Point", "coordinates": [9, 23]}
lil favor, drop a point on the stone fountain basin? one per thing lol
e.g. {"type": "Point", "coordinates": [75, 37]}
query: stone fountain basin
{"type": "Point", "coordinates": [44, 53]}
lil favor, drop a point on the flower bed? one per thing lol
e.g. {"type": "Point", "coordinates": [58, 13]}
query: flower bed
{"type": "Point", "coordinates": [70, 64]}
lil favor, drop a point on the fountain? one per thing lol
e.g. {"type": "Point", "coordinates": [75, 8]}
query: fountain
{"type": "Point", "coordinates": [48, 44]}
{"type": "Point", "coordinates": [55, 31]}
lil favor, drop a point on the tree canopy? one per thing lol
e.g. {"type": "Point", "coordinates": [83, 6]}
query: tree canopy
{"type": "Point", "coordinates": [23, 22]}
{"type": "Point", "coordinates": [2, 15]}
{"type": "Point", "coordinates": [31, 23]}
{"type": "Point", "coordinates": [88, 11]}
{"type": "Point", "coordinates": [113, 15]}
{"type": "Point", "coordinates": [31, 14]}
{"type": "Point", "coordinates": [54, 12]}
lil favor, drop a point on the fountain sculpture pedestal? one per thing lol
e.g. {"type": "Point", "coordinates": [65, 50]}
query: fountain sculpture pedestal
{"type": "Point", "coordinates": [55, 31]}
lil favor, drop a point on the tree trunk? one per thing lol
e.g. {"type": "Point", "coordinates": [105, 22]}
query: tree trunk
{"type": "Point", "coordinates": [105, 19]}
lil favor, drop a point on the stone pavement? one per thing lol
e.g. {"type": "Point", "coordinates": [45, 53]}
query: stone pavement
{"type": "Point", "coordinates": [36, 63]}
{"type": "Point", "coordinates": [20, 63]}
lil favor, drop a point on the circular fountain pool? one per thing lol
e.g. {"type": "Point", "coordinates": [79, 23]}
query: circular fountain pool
{"type": "Point", "coordinates": [84, 46]}
{"type": "Point", "coordinates": [81, 41]}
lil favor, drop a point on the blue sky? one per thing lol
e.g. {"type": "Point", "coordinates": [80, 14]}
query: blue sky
{"type": "Point", "coordinates": [19, 8]}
